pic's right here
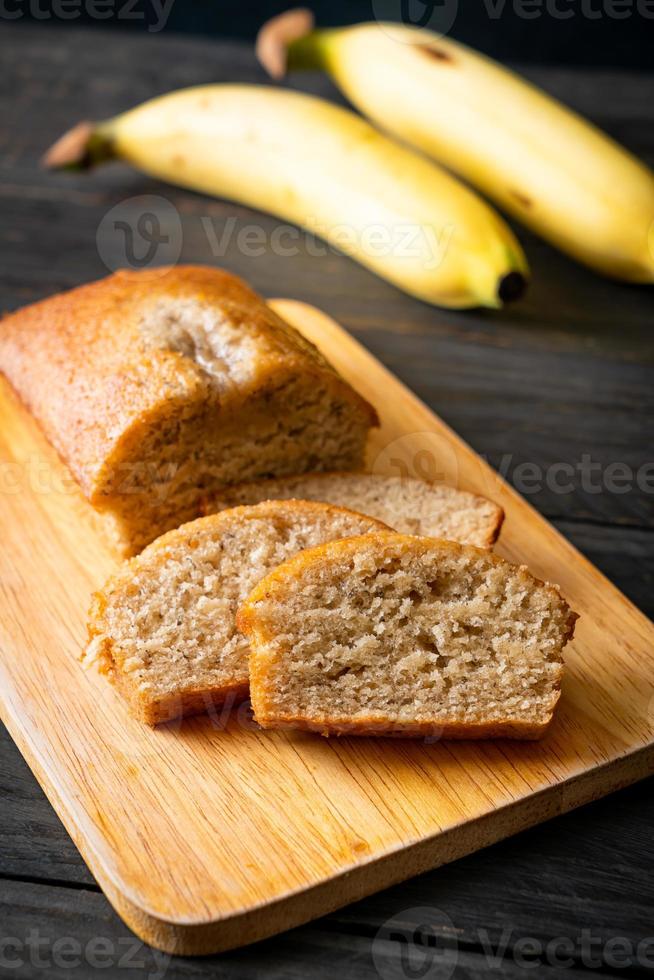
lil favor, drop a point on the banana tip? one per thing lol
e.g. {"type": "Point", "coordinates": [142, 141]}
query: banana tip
{"type": "Point", "coordinates": [71, 149]}
{"type": "Point", "coordinates": [277, 34]}
{"type": "Point", "coordinates": [511, 287]}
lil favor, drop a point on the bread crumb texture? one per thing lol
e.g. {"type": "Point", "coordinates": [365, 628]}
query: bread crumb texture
{"type": "Point", "coordinates": [408, 505]}
{"type": "Point", "coordinates": [402, 635]}
{"type": "Point", "coordinates": [163, 628]}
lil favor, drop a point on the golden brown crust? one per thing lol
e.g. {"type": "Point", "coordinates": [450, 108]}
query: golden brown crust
{"type": "Point", "coordinates": [494, 530]}
{"type": "Point", "coordinates": [273, 509]}
{"type": "Point", "coordinates": [186, 704]}
{"type": "Point", "coordinates": [79, 361]}
{"type": "Point", "coordinates": [387, 728]}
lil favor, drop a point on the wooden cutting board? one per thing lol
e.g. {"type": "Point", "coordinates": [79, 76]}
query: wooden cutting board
{"type": "Point", "coordinates": [210, 834]}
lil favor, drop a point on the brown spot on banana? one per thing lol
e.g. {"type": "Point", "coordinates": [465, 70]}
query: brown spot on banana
{"type": "Point", "coordinates": [521, 198]}
{"type": "Point", "coordinates": [437, 54]}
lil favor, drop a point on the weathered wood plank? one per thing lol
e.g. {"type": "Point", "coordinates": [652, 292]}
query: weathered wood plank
{"type": "Point", "coordinates": [33, 842]}
{"type": "Point", "coordinates": [625, 555]}
{"type": "Point", "coordinates": [57, 932]}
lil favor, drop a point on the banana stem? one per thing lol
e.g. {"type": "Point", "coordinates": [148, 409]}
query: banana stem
{"type": "Point", "coordinates": [311, 52]}
{"type": "Point", "coordinates": [81, 148]}
{"type": "Point", "coordinates": [289, 41]}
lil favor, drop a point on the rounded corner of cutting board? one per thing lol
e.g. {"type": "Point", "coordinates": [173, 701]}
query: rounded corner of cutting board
{"type": "Point", "coordinates": [220, 933]}
{"type": "Point", "coordinates": [174, 938]}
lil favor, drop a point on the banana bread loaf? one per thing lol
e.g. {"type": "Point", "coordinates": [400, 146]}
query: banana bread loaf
{"type": "Point", "coordinates": [158, 391]}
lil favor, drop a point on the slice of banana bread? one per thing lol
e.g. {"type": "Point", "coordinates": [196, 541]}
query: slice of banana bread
{"type": "Point", "coordinates": [157, 391]}
{"type": "Point", "coordinates": [396, 635]}
{"type": "Point", "coordinates": [163, 628]}
{"type": "Point", "coordinates": [410, 506]}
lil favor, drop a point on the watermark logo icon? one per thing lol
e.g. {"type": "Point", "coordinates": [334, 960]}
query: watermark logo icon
{"type": "Point", "coordinates": [35, 953]}
{"type": "Point", "coordinates": [142, 233]}
{"type": "Point", "coordinates": [417, 944]}
{"type": "Point", "coordinates": [426, 455]}
{"type": "Point", "coordinates": [154, 13]}
{"type": "Point", "coordinates": [148, 228]}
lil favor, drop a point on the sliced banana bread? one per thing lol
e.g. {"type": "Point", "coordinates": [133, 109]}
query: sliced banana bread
{"type": "Point", "coordinates": [164, 627]}
{"type": "Point", "coordinates": [410, 506]}
{"type": "Point", "coordinates": [397, 635]}
{"type": "Point", "coordinates": [156, 391]}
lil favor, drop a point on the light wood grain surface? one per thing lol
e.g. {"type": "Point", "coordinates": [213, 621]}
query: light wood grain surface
{"type": "Point", "coordinates": [210, 834]}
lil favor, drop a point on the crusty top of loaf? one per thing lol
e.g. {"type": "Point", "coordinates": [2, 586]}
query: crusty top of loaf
{"type": "Point", "coordinates": [133, 348]}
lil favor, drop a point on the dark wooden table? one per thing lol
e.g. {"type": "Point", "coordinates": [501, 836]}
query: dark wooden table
{"type": "Point", "coordinates": [564, 376]}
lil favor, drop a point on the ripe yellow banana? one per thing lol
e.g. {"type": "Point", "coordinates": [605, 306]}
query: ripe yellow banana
{"type": "Point", "coordinates": [542, 163]}
{"type": "Point", "coordinates": [322, 167]}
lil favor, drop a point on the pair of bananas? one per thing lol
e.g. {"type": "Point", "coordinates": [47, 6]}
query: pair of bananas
{"type": "Point", "coordinates": [394, 210]}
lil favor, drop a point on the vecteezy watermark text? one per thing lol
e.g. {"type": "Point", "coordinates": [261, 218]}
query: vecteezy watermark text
{"type": "Point", "coordinates": [590, 950]}
{"type": "Point", "coordinates": [439, 16]}
{"type": "Point", "coordinates": [402, 240]}
{"type": "Point", "coordinates": [42, 953]}
{"type": "Point", "coordinates": [567, 9]}
{"type": "Point", "coordinates": [154, 12]}
{"type": "Point", "coordinates": [432, 458]}
{"type": "Point", "coordinates": [422, 942]}
{"type": "Point", "coordinates": [146, 232]}
{"type": "Point", "coordinates": [587, 475]}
